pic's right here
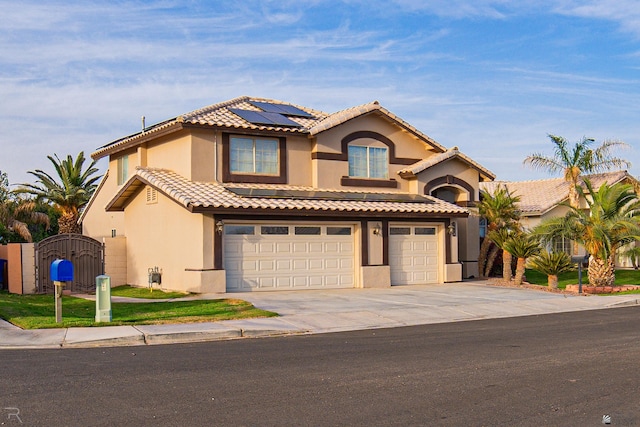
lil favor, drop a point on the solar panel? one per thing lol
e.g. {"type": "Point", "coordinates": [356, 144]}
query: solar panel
{"type": "Point", "coordinates": [287, 110]}
{"type": "Point", "coordinates": [264, 118]}
{"type": "Point", "coordinates": [267, 193]}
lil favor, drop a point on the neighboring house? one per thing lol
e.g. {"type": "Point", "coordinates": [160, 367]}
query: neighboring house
{"type": "Point", "coordinates": [257, 194]}
{"type": "Point", "coordinates": [542, 199]}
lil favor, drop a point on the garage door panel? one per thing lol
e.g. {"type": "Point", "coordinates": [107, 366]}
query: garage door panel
{"type": "Point", "coordinates": [293, 261]}
{"type": "Point", "coordinates": [413, 255]}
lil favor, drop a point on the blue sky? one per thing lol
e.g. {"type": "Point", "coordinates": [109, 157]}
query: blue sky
{"type": "Point", "coordinates": [492, 77]}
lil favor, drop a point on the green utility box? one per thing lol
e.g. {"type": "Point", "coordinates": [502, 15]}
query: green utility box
{"type": "Point", "coordinates": [103, 298]}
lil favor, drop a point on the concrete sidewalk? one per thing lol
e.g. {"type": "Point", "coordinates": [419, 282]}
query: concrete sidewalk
{"type": "Point", "coordinates": [303, 312]}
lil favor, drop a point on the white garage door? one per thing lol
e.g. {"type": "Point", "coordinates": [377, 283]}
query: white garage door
{"type": "Point", "coordinates": [413, 254]}
{"type": "Point", "coordinates": [286, 257]}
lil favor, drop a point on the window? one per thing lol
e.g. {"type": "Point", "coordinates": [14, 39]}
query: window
{"type": "Point", "coordinates": [123, 169]}
{"type": "Point", "coordinates": [368, 162]}
{"type": "Point", "coordinates": [400, 231]}
{"type": "Point", "coordinates": [425, 231]}
{"type": "Point", "coordinates": [339, 231]}
{"type": "Point", "coordinates": [561, 244]}
{"type": "Point", "coordinates": [239, 230]}
{"type": "Point", "coordinates": [308, 231]}
{"type": "Point", "coordinates": [274, 230]}
{"type": "Point", "coordinates": [250, 155]}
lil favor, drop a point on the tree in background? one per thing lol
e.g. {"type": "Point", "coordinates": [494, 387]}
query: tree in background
{"type": "Point", "coordinates": [17, 214]}
{"type": "Point", "coordinates": [580, 159]}
{"type": "Point", "coordinates": [69, 192]}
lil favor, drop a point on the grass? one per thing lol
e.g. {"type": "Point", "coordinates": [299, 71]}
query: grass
{"type": "Point", "coordinates": [38, 311]}
{"type": "Point", "coordinates": [133, 292]}
{"type": "Point", "coordinates": [623, 277]}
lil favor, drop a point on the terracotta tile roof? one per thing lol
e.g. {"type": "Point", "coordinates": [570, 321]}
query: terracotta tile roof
{"type": "Point", "coordinates": [451, 153]}
{"type": "Point", "coordinates": [208, 195]}
{"type": "Point", "coordinates": [216, 115]}
{"type": "Point", "coordinates": [220, 115]}
{"type": "Point", "coordinates": [343, 116]}
{"type": "Point", "coordinates": [538, 196]}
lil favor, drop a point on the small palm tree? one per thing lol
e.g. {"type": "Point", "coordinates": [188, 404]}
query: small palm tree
{"type": "Point", "coordinates": [500, 237]}
{"type": "Point", "coordinates": [552, 264]}
{"type": "Point", "coordinates": [522, 246]}
{"type": "Point", "coordinates": [611, 221]}
{"type": "Point", "coordinates": [500, 211]}
{"type": "Point", "coordinates": [577, 160]}
{"type": "Point", "coordinates": [633, 253]}
{"type": "Point", "coordinates": [69, 193]}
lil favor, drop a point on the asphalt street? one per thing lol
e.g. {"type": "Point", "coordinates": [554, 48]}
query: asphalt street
{"type": "Point", "coordinates": [554, 370]}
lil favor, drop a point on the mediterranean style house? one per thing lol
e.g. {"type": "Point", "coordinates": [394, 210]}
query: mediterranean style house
{"type": "Point", "coordinates": [545, 198]}
{"type": "Point", "coordinates": [256, 194]}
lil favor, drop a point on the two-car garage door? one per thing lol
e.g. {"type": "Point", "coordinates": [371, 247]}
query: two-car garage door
{"type": "Point", "coordinates": [281, 256]}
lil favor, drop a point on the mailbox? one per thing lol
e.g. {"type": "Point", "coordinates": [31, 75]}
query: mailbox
{"type": "Point", "coordinates": [61, 271]}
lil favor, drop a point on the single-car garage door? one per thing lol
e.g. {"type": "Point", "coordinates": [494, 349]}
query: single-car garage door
{"type": "Point", "coordinates": [287, 257]}
{"type": "Point", "coordinates": [413, 254]}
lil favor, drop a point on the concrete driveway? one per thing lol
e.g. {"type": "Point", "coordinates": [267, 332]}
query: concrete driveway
{"type": "Point", "coordinates": [350, 309]}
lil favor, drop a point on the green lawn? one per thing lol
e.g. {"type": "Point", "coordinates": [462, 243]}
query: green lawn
{"type": "Point", "coordinates": [623, 277]}
{"type": "Point", "coordinates": [38, 311]}
{"type": "Point", "coordinates": [132, 292]}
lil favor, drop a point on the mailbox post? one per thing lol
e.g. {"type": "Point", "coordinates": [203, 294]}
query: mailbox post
{"type": "Point", "coordinates": [61, 271]}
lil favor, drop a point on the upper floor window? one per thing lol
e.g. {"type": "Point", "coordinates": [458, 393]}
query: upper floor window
{"type": "Point", "coordinates": [368, 162]}
{"type": "Point", "coordinates": [123, 169]}
{"type": "Point", "coordinates": [252, 155]}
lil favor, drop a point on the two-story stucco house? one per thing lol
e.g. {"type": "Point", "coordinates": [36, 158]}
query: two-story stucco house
{"type": "Point", "coordinates": [255, 194]}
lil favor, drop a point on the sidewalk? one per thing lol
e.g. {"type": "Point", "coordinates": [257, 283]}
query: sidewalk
{"type": "Point", "coordinates": [304, 312]}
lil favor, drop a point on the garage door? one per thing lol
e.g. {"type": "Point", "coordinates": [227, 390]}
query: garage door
{"type": "Point", "coordinates": [276, 256]}
{"type": "Point", "coordinates": [413, 254]}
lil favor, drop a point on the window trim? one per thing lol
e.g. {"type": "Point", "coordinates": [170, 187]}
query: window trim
{"type": "Point", "coordinates": [368, 149]}
{"type": "Point", "coordinates": [229, 176]}
{"type": "Point", "coordinates": [122, 166]}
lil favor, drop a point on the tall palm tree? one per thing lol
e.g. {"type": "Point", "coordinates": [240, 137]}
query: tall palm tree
{"type": "Point", "coordinates": [522, 246]}
{"type": "Point", "coordinates": [69, 192]}
{"type": "Point", "coordinates": [580, 159]}
{"type": "Point", "coordinates": [611, 221]}
{"type": "Point", "coordinates": [500, 211]}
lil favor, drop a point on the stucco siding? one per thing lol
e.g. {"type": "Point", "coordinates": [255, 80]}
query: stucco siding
{"type": "Point", "coordinates": [167, 236]}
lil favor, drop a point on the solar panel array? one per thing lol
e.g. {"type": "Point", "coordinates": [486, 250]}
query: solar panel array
{"type": "Point", "coordinates": [271, 114]}
{"type": "Point", "coordinates": [267, 193]}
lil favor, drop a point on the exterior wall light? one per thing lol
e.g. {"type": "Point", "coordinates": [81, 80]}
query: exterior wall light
{"type": "Point", "coordinates": [219, 227]}
{"type": "Point", "coordinates": [377, 229]}
{"type": "Point", "coordinates": [452, 228]}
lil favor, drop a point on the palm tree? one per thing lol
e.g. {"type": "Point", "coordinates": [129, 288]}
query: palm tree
{"type": "Point", "coordinates": [580, 159]}
{"type": "Point", "coordinates": [552, 264]}
{"type": "Point", "coordinates": [500, 237]}
{"type": "Point", "coordinates": [16, 214]}
{"type": "Point", "coordinates": [522, 246]}
{"type": "Point", "coordinates": [500, 211]}
{"type": "Point", "coordinates": [611, 221]}
{"type": "Point", "coordinates": [69, 193]}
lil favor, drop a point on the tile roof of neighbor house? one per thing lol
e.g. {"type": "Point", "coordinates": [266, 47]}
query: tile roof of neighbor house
{"type": "Point", "coordinates": [197, 196]}
{"type": "Point", "coordinates": [221, 115]}
{"type": "Point", "coordinates": [451, 153]}
{"type": "Point", "coordinates": [539, 196]}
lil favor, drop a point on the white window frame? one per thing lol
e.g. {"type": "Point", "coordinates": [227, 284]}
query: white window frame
{"type": "Point", "coordinates": [255, 164]}
{"type": "Point", "coordinates": [123, 169]}
{"type": "Point", "coordinates": [369, 159]}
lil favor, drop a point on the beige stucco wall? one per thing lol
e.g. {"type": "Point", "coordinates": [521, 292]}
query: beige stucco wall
{"type": "Point", "coordinates": [98, 223]}
{"type": "Point", "coordinates": [166, 235]}
{"type": "Point", "coordinates": [327, 173]}
{"type": "Point", "coordinates": [375, 243]}
{"type": "Point", "coordinates": [376, 276]}
{"type": "Point", "coordinates": [115, 259]}
{"type": "Point", "coordinates": [28, 268]}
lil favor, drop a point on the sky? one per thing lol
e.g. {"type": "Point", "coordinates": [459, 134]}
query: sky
{"type": "Point", "coordinates": [492, 77]}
